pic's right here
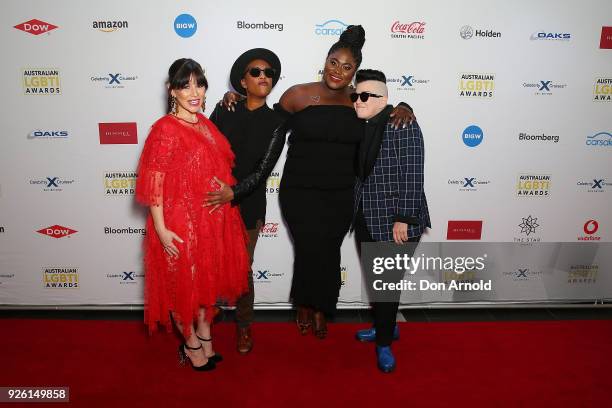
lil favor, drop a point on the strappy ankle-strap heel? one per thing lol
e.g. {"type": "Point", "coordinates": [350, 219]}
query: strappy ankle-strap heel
{"type": "Point", "coordinates": [216, 358]}
{"type": "Point", "coordinates": [183, 357]}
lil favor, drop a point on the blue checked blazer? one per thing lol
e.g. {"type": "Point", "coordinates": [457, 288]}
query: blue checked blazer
{"type": "Point", "coordinates": [393, 191]}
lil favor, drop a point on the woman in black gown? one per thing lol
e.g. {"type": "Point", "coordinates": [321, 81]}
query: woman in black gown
{"type": "Point", "coordinates": [316, 190]}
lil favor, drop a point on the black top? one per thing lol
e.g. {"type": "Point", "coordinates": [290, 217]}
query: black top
{"type": "Point", "coordinates": [249, 134]}
{"type": "Point", "coordinates": [323, 147]}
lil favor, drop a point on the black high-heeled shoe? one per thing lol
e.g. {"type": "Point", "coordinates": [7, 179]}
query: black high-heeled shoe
{"type": "Point", "coordinates": [183, 357]}
{"type": "Point", "coordinates": [216, 358]}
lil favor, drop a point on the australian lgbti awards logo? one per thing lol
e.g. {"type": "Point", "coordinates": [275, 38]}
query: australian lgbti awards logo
{"type": "Point", "coordinates": [330, 27]}
{"type": "Point", "coordinates": [57, 231]}
{"type": "Point", "coordinates": [528, 229]}
{"type": "Point", "coordinates": [606, 38]}
{"type": "Point", "coordinates": [602, 89]}
{"type": "Point", "coordinates": [109, 26]}
{"type": "Point", "coordinates": [590, 229]}
{"type": "Point", "coordinates": [119, 183]}
{"type": "Point", "coordinates": [114, 81]}
{"type": "Point", "coordinates": [414, 30]}
{"type": "Point", "coordinates": [407, 82]}
{"type": "Point", "coordinates": [60, 277]}
{"type": "Point", "coordinates": [533, 185]}
{"type": "Point", "coordinates": [36, 27]}
{"type": "Point", "coordinates": [583, 274]}
{"type": "Point", "coordinates": [269, 230]}
{"type": "Point", "coordinates": [273, 183]}
{"type": "Point", "coordinates": [464, 230]}
{"type": "Point", "coordinates": [41, 81]}
{"type": "Point", "coordinates": [343, 275]}
{"type": "Point", "coordinates": [52, 184]}
{"type": "Point", "coordinates": [185, 25]}
{"type": "Point", "coordinates": [474, 85]}
{"type": "Point", "coordinates": [118, 133]}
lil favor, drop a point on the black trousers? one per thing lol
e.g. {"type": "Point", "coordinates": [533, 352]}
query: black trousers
{"type": "Point", "coordinates": [384, 313]}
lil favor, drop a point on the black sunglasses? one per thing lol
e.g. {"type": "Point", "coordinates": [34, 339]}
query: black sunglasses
{"type": "Point", "coordinates": [255, 72]}
{"type": "Point", "coordinates": [364, 96]}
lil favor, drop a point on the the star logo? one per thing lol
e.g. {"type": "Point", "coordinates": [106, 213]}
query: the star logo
{"type": "Point", "coordinates": [529, 225]}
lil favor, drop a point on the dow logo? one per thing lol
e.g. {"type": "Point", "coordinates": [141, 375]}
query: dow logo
{"type": "Point", "coordinates": [56, 231]}
{"type": "Point", "coordinates": [185, 25]}
{"type": "Point", "coordinates": [35, 27]}
{"type": "Point", "coordinates": [472, 136]}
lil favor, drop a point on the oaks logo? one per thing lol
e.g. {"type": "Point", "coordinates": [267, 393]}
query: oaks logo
{"type": "Point", "coordinates": [57, 231]}
{"type": "Point", "coordinates": [36, 27]}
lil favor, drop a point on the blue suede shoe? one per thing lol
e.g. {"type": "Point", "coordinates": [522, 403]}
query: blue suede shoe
{"type": "Point", "coordinates": [369, 335]}
{"type": "Point", "coordinates": [385, 359]}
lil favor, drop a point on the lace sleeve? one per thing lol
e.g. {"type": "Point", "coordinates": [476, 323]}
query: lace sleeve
{"type": "Point", "coordinates": [155, 161]}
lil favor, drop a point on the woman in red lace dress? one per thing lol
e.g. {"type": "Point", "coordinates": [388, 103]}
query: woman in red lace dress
{"type": "Point", "coordinates": [193, 258]}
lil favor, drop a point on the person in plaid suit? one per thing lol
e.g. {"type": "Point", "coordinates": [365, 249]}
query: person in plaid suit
{"type": "Point", "coordinates": [390, 203]}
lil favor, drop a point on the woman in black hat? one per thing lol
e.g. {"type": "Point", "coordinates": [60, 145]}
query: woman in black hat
{"type": "Point", "coordinates": [316, 191]}
{"type": "Point", "coordinates": [249, 128]}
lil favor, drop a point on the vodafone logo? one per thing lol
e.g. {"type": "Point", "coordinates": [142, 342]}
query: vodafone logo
{"type": "Point", "coordinates": [591, 227]}
{"type": "Point", "coordinates": [35, 27]}
{"type": "Point", "coordinates": [56, 231]}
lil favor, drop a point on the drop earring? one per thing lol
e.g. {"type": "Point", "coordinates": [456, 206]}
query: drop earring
{"type": "Point", "coordinates": [173, 106]}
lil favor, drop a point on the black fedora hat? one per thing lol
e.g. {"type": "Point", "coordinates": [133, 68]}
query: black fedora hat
{"type": "Point", "coordinates": [239, 67]}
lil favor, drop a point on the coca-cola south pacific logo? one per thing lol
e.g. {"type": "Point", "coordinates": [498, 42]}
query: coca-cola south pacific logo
{"type": "Point", "coordinates": [412, 31]}
{"type": "Point", "coordinates": [269, 230]}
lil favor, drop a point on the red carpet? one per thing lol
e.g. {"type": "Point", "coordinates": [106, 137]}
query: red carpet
{"type": "Point", "coordinates": [483, 364]}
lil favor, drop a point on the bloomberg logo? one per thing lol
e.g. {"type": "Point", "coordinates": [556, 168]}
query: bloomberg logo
{"type": "Point", "coordinates": [472, 136]}
{"type": "Point", "coordinates": [547, 36]}
{"type": "Point", "coordinates": [601, 139]}
{"type": "Point", "coordinates": [185, 25]}
{"type": "Point", "coordinates": [330, 27]}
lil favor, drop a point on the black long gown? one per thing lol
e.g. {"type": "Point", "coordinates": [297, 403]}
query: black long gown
{"type": "Point", "coordinates": [316, 198]}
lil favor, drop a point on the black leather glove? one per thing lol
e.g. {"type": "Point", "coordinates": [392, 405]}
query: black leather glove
{"type": "Point", "coordinates": [265, 166]}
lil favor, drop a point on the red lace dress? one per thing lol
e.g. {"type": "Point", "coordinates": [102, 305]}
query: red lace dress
{"type": "Point", "coordinates": [176, 171]}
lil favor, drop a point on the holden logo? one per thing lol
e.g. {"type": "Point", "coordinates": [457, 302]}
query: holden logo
{"type": "Point", "coordinates": [591, 227]}
{"type": "Point", "coordinates": [57, 231]}
{"type": "Point", "coordinates": [35, 27]}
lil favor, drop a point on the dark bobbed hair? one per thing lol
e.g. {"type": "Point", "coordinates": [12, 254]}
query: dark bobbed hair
{"type": "Point", "coordinates": [370, 75]}
{"type": "Point", "coordinates": [179, 73]}
{"type": "Point", "coordinates": [352, 38]}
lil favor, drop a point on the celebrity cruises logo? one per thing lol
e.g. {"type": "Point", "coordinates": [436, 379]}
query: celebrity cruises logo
{"type": "Point", "coordinates": [413, 31]}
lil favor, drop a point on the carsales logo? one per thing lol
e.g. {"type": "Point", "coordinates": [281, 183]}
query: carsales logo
{"type": "Point", "coordinates": [57, 231]}
{"type": "Point", "coordinates": [35, 27]}
{"type": "Point", "coordinates": [414, 30]}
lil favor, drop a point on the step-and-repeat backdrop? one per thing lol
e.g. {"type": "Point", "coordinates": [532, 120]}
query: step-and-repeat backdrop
{"type": "Point", "coordinates": [514, 99]}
